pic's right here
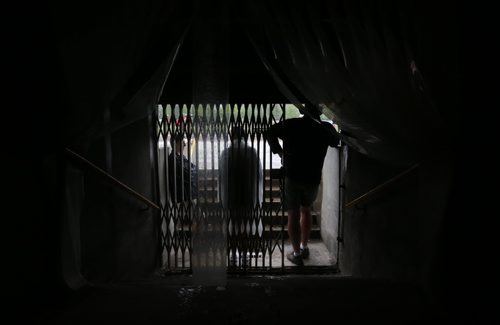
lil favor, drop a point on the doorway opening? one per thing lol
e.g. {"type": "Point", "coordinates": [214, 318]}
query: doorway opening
{"type": "Point", "coordinates": [196, 224]}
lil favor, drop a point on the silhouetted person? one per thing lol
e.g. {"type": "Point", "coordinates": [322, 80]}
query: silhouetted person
{"type": "Point", "coordinates": [240, 186]}
{"type": "Point", "coordinates": [305, 143]}
{"type": "Point", "coordinates": [183, 174]}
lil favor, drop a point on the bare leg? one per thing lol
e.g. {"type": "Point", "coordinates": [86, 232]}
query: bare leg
{"type": "Point", "coordinates": [305, 225]}
{"type": "Point", "coordinates": [294, 229]}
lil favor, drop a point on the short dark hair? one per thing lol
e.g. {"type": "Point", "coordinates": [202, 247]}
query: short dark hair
{"type": "Point", "coordinates": [310, 110]}
{"type": "Point", "coordinates": [237, 132]}
{"type": "Point", "coordinates": [176, 137]}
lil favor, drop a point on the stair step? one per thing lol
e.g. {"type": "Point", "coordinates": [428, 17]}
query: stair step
{"type": "Point", "coordinates": [315, 231]}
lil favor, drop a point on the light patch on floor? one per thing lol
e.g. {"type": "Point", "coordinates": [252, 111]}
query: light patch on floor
{"type": "Point", "coordinates": [319, 256]}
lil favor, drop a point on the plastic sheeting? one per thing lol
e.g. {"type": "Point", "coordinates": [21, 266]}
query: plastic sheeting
{"type": "Point", "coordinates": [355, 62]}
{"type": "Point", "coordinates": [210, 86]}
{"type": "Point", "coordinates": [114, 60]}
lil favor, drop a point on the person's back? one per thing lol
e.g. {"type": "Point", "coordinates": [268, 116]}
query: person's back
{"type": "Point", "coordinates": [305, 143]}
{"type": "Point", "coordinates": [240, 175]}
{"type": "Point", "coordinates": [240, 186]}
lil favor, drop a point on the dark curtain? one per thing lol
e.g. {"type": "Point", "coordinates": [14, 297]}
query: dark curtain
{"type": "Point", "coordinates": [115, 57]}
{"type": "Point", "coordinates": [111, 60]}
{"type": "Point", "coordinates": [359, 62]}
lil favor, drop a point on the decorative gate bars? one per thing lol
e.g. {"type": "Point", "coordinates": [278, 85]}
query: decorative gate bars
{"type": "Point", "coordinates": [206, 216]}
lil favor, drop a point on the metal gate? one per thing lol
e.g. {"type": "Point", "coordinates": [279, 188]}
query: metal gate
{"type": "Point", "coordinates": [219, 187]}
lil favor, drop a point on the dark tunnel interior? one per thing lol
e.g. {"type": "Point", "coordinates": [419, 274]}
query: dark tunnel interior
{"type": "Point", "coordinates": [88, 76]}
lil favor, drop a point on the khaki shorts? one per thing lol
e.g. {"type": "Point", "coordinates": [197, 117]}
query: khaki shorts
{"type": "Point", "coordinates": [297, 194]}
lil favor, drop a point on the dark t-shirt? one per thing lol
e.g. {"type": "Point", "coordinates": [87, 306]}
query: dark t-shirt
{"type": "Point", "coordinates": [186, 174]}
{"type": "Point", "coordinates": [305, 143]}
{"type": "Point", "coordinates": [240, 176]}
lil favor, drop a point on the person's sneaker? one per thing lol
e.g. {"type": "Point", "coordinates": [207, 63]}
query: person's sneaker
{"type": "Point", "coordinates": [304, 252]}
{"type": "Point", "coordinates": [295, 259]}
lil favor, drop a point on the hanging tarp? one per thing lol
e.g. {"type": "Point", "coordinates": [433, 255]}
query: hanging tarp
{"type": "Point", "coordinates": [115, 58]}
{"type": "Point", "coordinates": [358, 64]}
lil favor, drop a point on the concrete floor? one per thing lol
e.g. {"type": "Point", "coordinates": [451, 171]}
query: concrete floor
{"type": "Point", "coordinates": [287, 299]}
{"type": "Point", "coordinates": [319, 256]}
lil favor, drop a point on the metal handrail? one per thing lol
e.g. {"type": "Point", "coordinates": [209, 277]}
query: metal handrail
{"type": "Point", "coordinates": [112, 179]}
{"type": "Point", "coordinates": [380, 187]}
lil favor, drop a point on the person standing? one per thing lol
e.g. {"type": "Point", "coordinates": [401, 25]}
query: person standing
{"type": "Point", "coordinates": [183, 174]}
{"type": "Point", "coordinates": [305, 143]}
{"type": "Point", "coordinates": [240, 188]}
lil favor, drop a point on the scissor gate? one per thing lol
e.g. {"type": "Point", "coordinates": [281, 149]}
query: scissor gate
{"type": "Point", "coordinates": [196, 225]}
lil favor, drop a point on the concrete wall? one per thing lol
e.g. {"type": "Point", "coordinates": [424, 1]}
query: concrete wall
{"type": "Point", "coordinates": [136, 227]}
{"type": "Point", "coordinates": [119, 232]}
{"type": "Point", "coordinates": [330, 200]}
{"type": "Point", "coordinates": [394, 234]}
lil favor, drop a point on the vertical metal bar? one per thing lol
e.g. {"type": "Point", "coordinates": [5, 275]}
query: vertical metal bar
{"type": "Point", "coordinates": [262, 143]}
{"type": "Point", "coordinates": [265, 213]}
{"type": "Point", "coordinates": [207, 137]}
{"type": "Point", "coordinates": [266, 209]}
{"type": "Point", "coordinates": [166, 180]}
{"type": "Point", "coordinates": [156, 133]}
{"type": "Point", "coordinates": [273, 212]}
{"type": "Point", "coordinates": [339, 205]}
{"type": "Point", "coordinates": [186, 222]}
{"type": "Point", "coordinates": [168, 201]}
{"type": "Point", "coordinates": [253, 174]}
{"type": "Point", "coordinates": [212, 144]}
{"type": "Point", "coordinates": [343, 155]}
{"type": "Point", "coordinates": [282, 191]}
{"type": "Point", "coordinates": [271, 201]}
{"type": "Point", "coordinates": [174, 182]}
{"type": "Point", "coordinates": [196, 214]}
{"type": "Point", "coordinates": [215, 146]}
{"type": "Point", "coordinates": [186, 200]}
